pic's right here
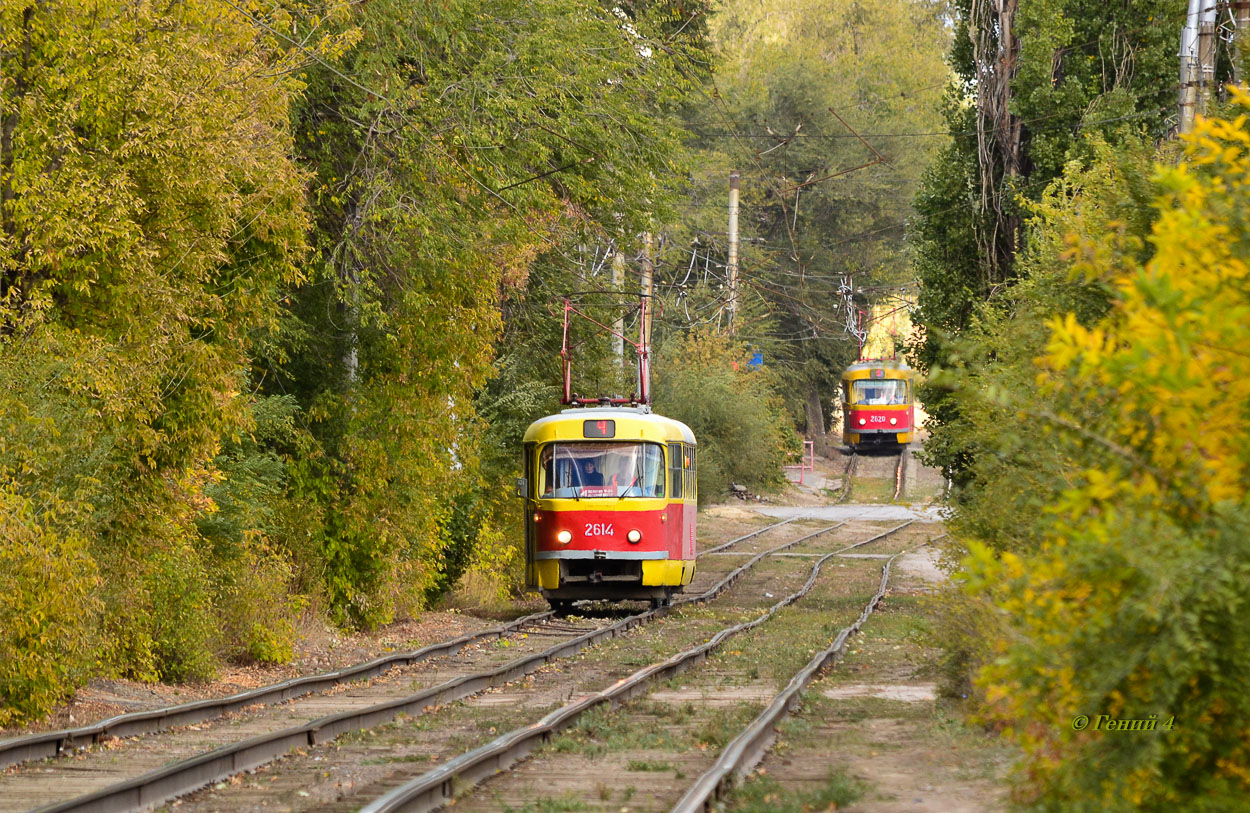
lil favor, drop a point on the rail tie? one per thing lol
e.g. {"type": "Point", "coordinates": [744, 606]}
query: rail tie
{"type": "Point", "coordinates": [433, 789]}
{"type": "Point", "coordinates": [190, 774]}
{"type": "Point", "coordinates": [748, 748]}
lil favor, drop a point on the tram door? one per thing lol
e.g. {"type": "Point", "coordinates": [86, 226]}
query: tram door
{"type": "Point", "coordinates": [531, 504]}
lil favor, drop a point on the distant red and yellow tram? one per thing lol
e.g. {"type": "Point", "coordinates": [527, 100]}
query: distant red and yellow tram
{"type": "Point", "coordinates": [611, 504]}
{"type": "Point", "coordinates": [878, 404]}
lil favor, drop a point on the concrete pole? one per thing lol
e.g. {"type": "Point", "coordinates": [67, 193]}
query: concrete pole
{"type": "Point", "coordinates": [644, 327]}
{"type": "Point", "coordinates": [1206, 57]}
{"type": "Point", "coordinates": [618, 285]}
{"type": "Point", "coordinates": [1241, 14]}
{"type": "Point", "coordinates": [1189, 66]}
{"type": "Point", "coordinates": [732, 266]}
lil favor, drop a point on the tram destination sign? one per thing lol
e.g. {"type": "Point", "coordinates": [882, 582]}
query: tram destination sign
{"type": "Point", "coordinates": [599, 429]}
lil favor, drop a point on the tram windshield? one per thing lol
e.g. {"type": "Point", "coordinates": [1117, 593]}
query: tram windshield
{"type": "Point", "coordinates": [576, 470]}
{"type": "Point", "coordinates": [867, 392]}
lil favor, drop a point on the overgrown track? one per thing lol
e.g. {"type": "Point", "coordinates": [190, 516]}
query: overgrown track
{"type": "Point", "coordinates": [189, 774]}
{"type": "Point", "coordinates": [435, 788]}
{"type": "Point", "coordinates": [50, 744]}
{"type": "Point", "coordinates": [54, 743]}
{"type": "Point", "coordinates": [748, 748]}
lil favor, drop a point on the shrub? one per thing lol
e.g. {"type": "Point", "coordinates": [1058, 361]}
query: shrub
{"type": "Point", "coordinates": [743, 433]}
{"type": "Point", "coordinates": [182, 625]}
{"type": "Point", "coordinates": [47, 611]}
{"type": "Point", "coordinates": [258, 610]}
{"type": "Point", "coordinates": [1130, 599]}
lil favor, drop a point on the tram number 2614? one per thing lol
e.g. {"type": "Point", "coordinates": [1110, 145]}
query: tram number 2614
{"type": "Point", "coordinates": [599, 529]}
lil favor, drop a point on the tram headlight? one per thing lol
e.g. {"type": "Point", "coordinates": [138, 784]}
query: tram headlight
{"type": "Point", "coordinates": [634, 537]}
{"type": "Point", "coordinates": [564, 537]}
{"type": "Point", "coordinates": [862, 421]}
{"type": "Point", "coordinates": [893, 421]}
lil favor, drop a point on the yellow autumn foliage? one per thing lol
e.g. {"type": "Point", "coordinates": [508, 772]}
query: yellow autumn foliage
{"type": "Point", "coordinates": [1134, 605]}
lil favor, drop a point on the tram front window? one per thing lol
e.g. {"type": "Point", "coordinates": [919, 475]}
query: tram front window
{"type": "Point", "coordinates": [576, 470]}
{"type": "Point", "coordinates": [879, 392]}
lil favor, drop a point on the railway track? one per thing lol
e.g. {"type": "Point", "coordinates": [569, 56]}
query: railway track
{"type": "Point", "coordinates": [440, 686]}
{"type": "Point", "coordinates": [435, 788]}
{"type": "Point", "coordinates": [848, 478]}
{"type": "Point", "coordinates": [50, 744]}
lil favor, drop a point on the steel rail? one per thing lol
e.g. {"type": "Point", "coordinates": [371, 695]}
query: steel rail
{"type": "Point", "coordinates": [435, 788]}
{"type": "Point", "coordinates": [848, 474]}
{"type": "Point", "coordinates": [747, 749]}
{"type": "Point", "coordinates": [900, 472]}
{"type": "Point", "coordinates": [48, 744]}
{"type": "Point", "coordinates": [160, 785]}
{"type": "Point", "coordinates": [745, 537]}
{"type": "Point", "coordinates": [53, 743]}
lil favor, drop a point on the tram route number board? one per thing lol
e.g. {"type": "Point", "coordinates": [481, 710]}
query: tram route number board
{"type": "Point", "coordinates": [599, 429]}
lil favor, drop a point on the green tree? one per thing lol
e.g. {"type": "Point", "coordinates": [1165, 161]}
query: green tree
{"type": "Point", "coordinates": [149, 214]}
{"type": "Point", "coordinates": [795, 83]}
{"type": "Point", "coordinates": [1034, 80]}
{"type": "Point", "coordinates": [479, 139]}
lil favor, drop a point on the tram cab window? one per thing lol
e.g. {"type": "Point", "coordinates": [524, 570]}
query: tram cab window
{"type": "Point", "coordinates": [577, 470]}
{"type": "Point", "coordinates": [879, 392]}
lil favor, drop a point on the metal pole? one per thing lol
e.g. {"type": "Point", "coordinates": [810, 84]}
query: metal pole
{"type": "Point", "coordinates": [1241, 15]}
{"type": "Point", "coordinates": [732, 266]}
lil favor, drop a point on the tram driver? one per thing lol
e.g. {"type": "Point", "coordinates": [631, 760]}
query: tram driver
{"type": "Point", "coordinates": [591, 476]}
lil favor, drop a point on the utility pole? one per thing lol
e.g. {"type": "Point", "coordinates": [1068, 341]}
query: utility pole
{"type": "Point", "coordinates": [1241, 16]}
{"type": "Point", "coordinates": [618, 285]}
{"type": "Point", "coordinates": [732, 267]}
{"type": "Point", "coordinates": [1197, 56]}
{"type": "Point", "coordinates": [644, 322]}
{"type": "Point", "coordinates": [1206, 57]}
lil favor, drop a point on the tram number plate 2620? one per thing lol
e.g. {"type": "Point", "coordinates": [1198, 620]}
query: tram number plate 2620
{"type": "Point", "coordinates": [599, 529]}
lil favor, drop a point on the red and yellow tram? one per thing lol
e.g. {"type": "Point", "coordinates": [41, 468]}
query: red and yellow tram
{"type": "Point", "coordinates": [611, 504]}
{"type": "Point", "coordinates": [878, 404]}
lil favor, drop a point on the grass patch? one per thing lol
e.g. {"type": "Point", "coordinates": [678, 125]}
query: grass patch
{"type": "Point", "coordinates": [764, 794]}
{"type": "Point", "coordinates": [648, 766]}
{"type": "Point", "coordinates": [560, 804]}
{"type": "Point", "coordinates": [647, 726]}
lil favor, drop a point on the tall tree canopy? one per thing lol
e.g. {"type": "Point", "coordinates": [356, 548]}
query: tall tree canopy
{"type": "Point", "coordinates": [796, 87]}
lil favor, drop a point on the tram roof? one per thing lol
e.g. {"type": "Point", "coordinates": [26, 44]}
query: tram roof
{"type": "Point", "coordinates": [632, 423]}
{"type": "Point", "coordinates": [894, 368]}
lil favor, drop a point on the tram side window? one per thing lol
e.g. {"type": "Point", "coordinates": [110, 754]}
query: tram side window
{"type": "Point", "coordinates": [879, 392]}
{"type": "Point", "coordinates": [674, 469]}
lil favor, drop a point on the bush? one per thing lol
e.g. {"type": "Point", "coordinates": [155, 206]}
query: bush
{"type": "Point", "coordinates": [258, 610]}
{"type": "Point", "coordinates": [744, 434]}
{"type": "Point", "coordinates": [47, 612]}
{"type": "Point", "coordinates": [1120, 582]}
{"type": "Point", "coordinates": [182, 625]}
